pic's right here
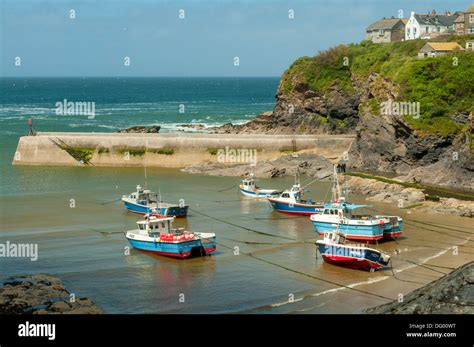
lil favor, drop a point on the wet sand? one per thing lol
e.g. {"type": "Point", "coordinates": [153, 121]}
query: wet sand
{"type": "Point", "coordinates": [277, 269]}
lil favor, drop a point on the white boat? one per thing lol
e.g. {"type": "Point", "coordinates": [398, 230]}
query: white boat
{"type": "Point", "coordinates": [250, 189]}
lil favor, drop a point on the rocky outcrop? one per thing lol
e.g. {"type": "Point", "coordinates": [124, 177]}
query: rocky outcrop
{"type": "Point", "coordinates": [410, 198]}
{"type": "Point", "coordinates": [306, 164]}
{"type": "Point", "coordinates": [451, 294]}
{"type": "Point", "coordinates": [384, 143]}
{"type": "Point", "coordinates": [41, 294]}
{"type": "Point", "coordinates": [154, 129]}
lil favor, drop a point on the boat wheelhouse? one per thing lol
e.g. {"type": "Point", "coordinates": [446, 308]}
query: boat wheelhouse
{"type": "Point", "coordinates": [144, 201]}
{"type": "Point", "coordinates": [157, 236]}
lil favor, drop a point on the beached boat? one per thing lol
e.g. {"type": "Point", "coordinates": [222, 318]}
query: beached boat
{"type": "Point", "coordinates": [144, 201]}
{"type": "Point", "coordinates": [362, 227]}
{"type": "Point", "coordinates": [291, 201]}
{"type": "Point", "coordinates": [250, 189]}
{"type": "Point", "coordinates": [156, 235]}
{"type": "Point", "coordinates": [340, 216]}
{"type": "Point", "coordinates": [335, 249]}
{"type": "Point", "coordinates": [393, 228]}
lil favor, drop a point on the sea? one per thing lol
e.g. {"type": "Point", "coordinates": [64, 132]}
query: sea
{"type": "Point", "coordinates": [265, 262]}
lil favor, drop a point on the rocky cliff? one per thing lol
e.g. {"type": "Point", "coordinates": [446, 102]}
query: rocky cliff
{"type": "Point", "coordinates": [346, 90]}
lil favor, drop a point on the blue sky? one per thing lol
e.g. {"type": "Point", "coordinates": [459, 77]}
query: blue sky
{"type": "Point", "coordinates": [205, 43]}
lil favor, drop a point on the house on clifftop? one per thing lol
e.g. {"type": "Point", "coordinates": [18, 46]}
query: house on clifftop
{"type": "Point", "coordinates": [428, 26]}
{"type": "Point", "coordinates": [386, 30]}
{"type": "Point", "coordinates": [436, 49]}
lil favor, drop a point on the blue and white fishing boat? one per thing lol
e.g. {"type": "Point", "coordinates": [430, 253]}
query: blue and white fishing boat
{"type": "Point", "coordinates": [156, 235]}
{"type": "Point", "coordinates": [291, 201]}
{"type": "Point", "coordinates": [250, 189]}
{"type": "Point", "coordinates": [144, 201]}
{"type": "Point", "coordinates": [335, 249]}
{"type": "Point", "coordinates": [340, 216]}
{"type": "Point", "coordinates": [393, 228]}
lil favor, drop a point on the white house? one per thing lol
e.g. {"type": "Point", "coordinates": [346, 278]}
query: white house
{"type": "Point", "coordinates": [428, 25]}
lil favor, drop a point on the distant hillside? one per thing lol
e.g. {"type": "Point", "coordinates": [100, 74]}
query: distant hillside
{"type": "Point", "coordinates": [341, 90]}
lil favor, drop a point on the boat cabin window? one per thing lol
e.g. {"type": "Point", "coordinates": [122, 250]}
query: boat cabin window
{"type": "Point", "coordinates": [285, 195]}
{"type": "Point", "coordinates": [141, 226]}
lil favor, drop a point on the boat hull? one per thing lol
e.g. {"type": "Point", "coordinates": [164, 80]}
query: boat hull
{"type": "Point", "coordinates": [255, 195]}
{"type": "Point", "coordinates": [299, 209]}
{"type": "Point", "coordinates": [352, 231]}
{"type": "Point", "coordinates": [180, 250]}
{"type": "Point", "coordinates": [351, 257]}
{"type": "Point", "coordinates": [167, 211]}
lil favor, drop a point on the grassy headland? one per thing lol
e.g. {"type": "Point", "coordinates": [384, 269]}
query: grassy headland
{"type": "Point", "coordinates": [442, 85]}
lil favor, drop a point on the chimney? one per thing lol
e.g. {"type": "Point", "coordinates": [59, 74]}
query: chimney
{"type": "Point", "coordinates": [433, 12]}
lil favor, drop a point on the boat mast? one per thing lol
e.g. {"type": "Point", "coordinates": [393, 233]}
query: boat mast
{"type": "Point", "coordinates": [336, 189]}
{"type": "Point", "coordinates": [144, 163]}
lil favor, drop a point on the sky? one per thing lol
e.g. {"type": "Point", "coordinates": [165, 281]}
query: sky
{"type": "Point", "coordinates": [206, 42]}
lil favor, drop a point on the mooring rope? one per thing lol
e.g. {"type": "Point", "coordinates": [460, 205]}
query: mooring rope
{"type": "Point", "coordinates": [239, 226]}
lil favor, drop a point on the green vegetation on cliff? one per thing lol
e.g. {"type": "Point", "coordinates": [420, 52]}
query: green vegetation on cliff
{"type": "Point", "coordinates": [443, 85]}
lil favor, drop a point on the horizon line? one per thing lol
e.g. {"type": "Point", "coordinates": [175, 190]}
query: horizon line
{"type": "Point", "coordinates": [140, 76]}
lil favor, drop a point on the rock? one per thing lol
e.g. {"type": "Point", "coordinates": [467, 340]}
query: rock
{"type": "Point", "coordinates": [59, 306]}
{"type": "Point", "coordinates": [193, 126]}
{"type": "Point", "coordinates": [306, 164]}
{"type": "Point", "coordinates": [438, 297]}
{"type": "Point", "coordinates": [154, 129]}
{"type": "Point", "coordinates": [40, 294]}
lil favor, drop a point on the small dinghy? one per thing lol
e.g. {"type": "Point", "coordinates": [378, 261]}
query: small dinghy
{"type": "Point", "coordinates": [156, 235]}
{"type": "Point", "coordinates": [250, 189]}
{"type": "Point", "coordinates": [144, 201]}
{"type": "Point", "coordinates": [335, 249]}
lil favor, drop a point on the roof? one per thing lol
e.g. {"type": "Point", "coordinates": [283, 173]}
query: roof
{"type": "Point", "coordinates": [435, 20]}
{"type": "Point", "coordinates": [471, 8]}
{"type": "Point", "coordinates": [386, 24]}
{"type": "Point", "coordinates": [460, 18]}
{"type": "Point", "coordinates": [444, 46]}
{"type": "Point", "coordinates": [405, 20]}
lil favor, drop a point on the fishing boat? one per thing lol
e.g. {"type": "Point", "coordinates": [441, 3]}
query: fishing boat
{"type": "Point", "coordinates": [340, 216]}
{"type": "Point", "coordinates": [144, 201]}
{"type": "Point", "coordinates": [393, 228]}
{"type": "Point", "coordinates": [335, 249]}
{"type": "Point", "coordinates": [156, 235]}
{"type": "Point", "coordinates": [250, 189]}
{"type": "Point", "coordinates": [343, 216]}
{"type": "Point", "coordinates": [291, 201]}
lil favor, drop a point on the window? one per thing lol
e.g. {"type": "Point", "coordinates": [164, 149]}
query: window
{"type": "Point", "coordinates": [381, 32]}
{"type": "Point", "coordinates": [470, 45]}
{"type": "Point", "coordinates": [471, 31]}
{"type": "Point", "coordinates": [427, 29]}
{"type": "Point", "coordinates": [414, 31]}
{"type": "Point", "coordinates": [471, 18]}
{"type": "Point", "coordinates": [285, 195]}
{"type": "Point", "coordinates": [439, 29]}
